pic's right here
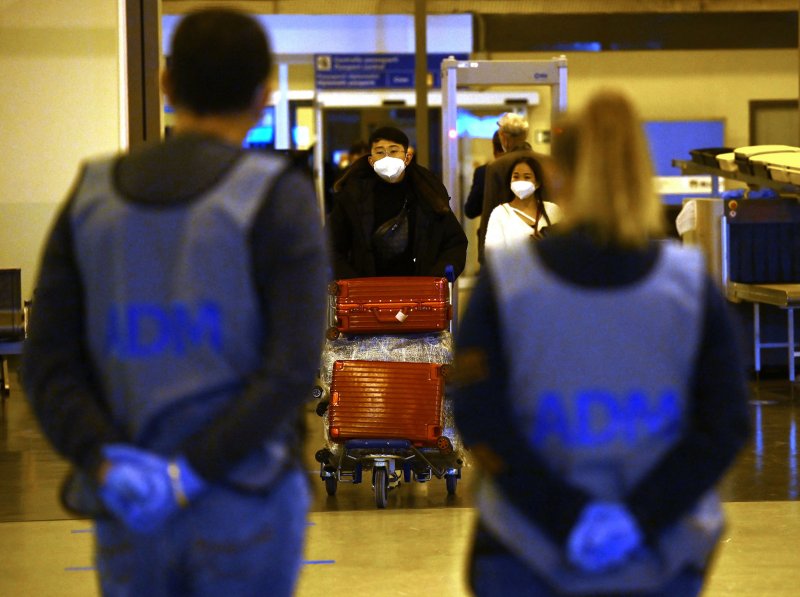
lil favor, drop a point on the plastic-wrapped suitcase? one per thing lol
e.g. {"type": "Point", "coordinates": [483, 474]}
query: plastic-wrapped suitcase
{"type": "Point", "coordinates": [390, 305]}
{"type": "Point", "coordinates": [387, 400]}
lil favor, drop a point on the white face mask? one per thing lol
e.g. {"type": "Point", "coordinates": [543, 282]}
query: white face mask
{"type": "Point", "coordinates": [523, 188]}
{"type": "Point", "coordinates": [389, 168]}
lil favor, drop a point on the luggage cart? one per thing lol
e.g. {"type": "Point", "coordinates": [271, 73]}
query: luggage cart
{"type": "Point", "coordinates": [391, 461]}
{"type": "Point", "coordinates": [387, 416]}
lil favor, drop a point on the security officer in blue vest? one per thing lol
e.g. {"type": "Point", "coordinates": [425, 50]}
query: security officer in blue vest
{"type": "Point", "coordinates": [179, 317]}
{"type": "Point", "coordinates": [601, 386]}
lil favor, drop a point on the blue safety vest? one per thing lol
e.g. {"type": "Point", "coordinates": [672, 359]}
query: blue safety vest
{"type": "Point", "coordinates": [599, 385]}
{"type": "Point", "coordinates": [172, 313]}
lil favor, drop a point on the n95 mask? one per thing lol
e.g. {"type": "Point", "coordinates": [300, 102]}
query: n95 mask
{"type": "Point", "coordinates": [523, 188]}
{"type": "Point", "coordinates": [389, 168]}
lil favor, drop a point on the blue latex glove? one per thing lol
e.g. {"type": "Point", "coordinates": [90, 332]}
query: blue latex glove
{"type": "Point", "coordinates": [124, 488]}
{"type": "Point", "coordinates": [132, 481]}
{"type": "Point", "coordinates": [144, 489]}
{"type": "Point", "coordinates": [604, 536]}
{"type": "Point", "coordinates": [765, 193]}
{"type": "Point", "coordinates": [733, 194]}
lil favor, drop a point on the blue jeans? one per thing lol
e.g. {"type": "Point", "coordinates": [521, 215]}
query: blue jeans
{"type": "Point", "coordinates": [503, 575]}
{"type": "Point", "coordinates": [225, 544]}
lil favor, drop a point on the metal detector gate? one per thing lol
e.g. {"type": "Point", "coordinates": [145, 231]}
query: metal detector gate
{"type": "Point", "coordinates": [391, 98]}
{"type": "Point", "coordinates": [461, 73]}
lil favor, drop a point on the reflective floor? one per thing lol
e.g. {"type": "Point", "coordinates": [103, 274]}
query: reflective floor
{"type": "Point", "coordinates": [417, 545]}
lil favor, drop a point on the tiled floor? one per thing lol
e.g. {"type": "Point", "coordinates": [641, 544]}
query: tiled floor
{"type": "Point", "coordinates": [417, 545]}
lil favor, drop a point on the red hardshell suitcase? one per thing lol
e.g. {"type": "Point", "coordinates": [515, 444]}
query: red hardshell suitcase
{"type": "Point", "coordinates": [390, 305]}
{"type": "Point", "coordinates": [386, 400]}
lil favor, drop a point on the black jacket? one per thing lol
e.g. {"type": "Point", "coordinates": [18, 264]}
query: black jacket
{"type": "Point", "coordinates": [438, 238]}
{"type": "Point", "coordinates": [474, 203]}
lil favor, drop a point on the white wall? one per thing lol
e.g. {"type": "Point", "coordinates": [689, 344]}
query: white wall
{"type": "Point", "coordinates": [59, 103]}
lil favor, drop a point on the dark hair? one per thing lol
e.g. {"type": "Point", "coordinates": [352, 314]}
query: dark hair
{"type": "Point", "coordinates": [388, 133]}
{"type": "Point", "coordinates": [219, 57]}
{"type": "Point", "coordinates": [538, 172]}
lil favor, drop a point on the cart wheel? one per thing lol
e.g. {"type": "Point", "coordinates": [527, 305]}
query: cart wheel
{"type": "Point", "coordinates": [380, 484]}
{"type": "Point", "coordinates": [451, 482]}
{"type": "Point", "coordinates": [322, 407]}
{"type": "Point", "coordinates": [444, 445]}
{"type": "Point", "coordinates": [323, 456]}
{"type": "Point", "coordinates": [446, 372]}
{"type": "Point", "coordinates": [332, 333]}
{"type": "Point", "coordinates": [331, 483]}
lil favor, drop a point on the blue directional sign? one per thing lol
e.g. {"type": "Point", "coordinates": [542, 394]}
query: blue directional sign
{"type": "Point", "coordinates": [374, 71]}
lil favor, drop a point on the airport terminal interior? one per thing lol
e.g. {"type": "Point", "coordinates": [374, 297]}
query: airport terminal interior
{"type": "Point", "coordinates": [418, 544]}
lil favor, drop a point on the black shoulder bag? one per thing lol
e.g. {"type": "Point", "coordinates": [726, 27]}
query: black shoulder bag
{"type": "Point", "coordinates": [391, 238]}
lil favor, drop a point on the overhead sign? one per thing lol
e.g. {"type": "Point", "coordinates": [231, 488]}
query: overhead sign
{"type": "Point", "coordinates": [375, 71]}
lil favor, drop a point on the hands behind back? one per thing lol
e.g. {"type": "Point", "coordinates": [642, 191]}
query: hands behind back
{"type": "Point", "coordinates": [144, 489]}
{"type": "Point", "coordinates": [605, 535]}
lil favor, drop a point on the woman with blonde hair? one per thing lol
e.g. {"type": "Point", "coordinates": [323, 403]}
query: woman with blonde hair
{"type": "Point", "coordinates": [600, 387]}
{"type": "Point", "coordinates": [606, 175]}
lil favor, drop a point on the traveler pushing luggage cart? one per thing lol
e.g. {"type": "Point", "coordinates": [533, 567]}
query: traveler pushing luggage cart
{"type": "Point", "coordinates": [383, 375]}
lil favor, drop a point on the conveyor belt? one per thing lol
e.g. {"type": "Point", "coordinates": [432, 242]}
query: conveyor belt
{"type": "Point", "coordinates": [783, 296]}
{"type": "Point", "coordinates": [779, 295]}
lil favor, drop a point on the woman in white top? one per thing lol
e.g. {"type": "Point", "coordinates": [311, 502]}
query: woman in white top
{"type": "Point", "coordinates": [527, 213]}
